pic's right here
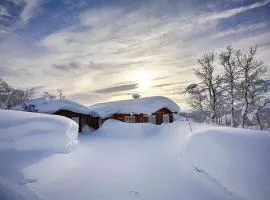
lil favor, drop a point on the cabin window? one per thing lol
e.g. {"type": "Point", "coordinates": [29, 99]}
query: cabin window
{"type": "Point", "coordinates": [166, 118]}
{"type": "Point", "coordinates": [130, 119]}
{"type": "Point", "coordinates": [152, 119]}
{"type": "Point", "coordinates": [76, 119]}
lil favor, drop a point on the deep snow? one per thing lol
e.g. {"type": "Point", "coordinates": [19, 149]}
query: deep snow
{"type": "Point", "coordinates": [24, 131]}
{"type": "Point", "coordinates": [145, 161]}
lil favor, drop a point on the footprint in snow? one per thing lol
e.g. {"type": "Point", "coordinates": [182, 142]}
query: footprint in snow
{"type": "Point", "coordinates": [135, 193]}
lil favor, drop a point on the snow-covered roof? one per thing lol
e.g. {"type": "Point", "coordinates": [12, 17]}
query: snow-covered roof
{"type": "Point", "coordinates": [147, 105]}
{"type": "Point", "coordinates": [43, 105]}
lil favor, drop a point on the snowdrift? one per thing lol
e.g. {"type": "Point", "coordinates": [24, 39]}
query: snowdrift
{"type": "Point", "coordinates": [24, 131]}
{"type": "Point", "coordinates": [116, 129]}
{"type": "Point", "coordinates": [236, 159]}
{"type": "Point", "coordinates": [12, 191]}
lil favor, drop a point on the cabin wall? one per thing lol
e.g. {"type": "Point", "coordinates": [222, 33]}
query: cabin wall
{"type": "Point", "coordinates": [83, 119]}
{"type": "Point", "coordinates": [159, 115]}
{"type": "Point", "coordinates": [140, 118]}
{"type": "Point", "coordinates": [95, 122]}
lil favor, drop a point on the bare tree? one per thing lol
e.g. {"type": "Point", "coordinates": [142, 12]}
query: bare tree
{"type": "Point", "coordinates": [29, 93]}
{"type": "Point", "coordinates": [252, 83]}
{"type": "Point", "coordinates": [10, 97]}
{"type": "Point", "coordinates": [197, 98]}
{"type": "Point", "coordinates": [49, 95]}
{"type": "Point", "coordinates": [230, 78]}
{"type": "Point", "coordinates": [60, 93]}
{"type": "Point", "coordinates": [209, 81]}
{"type": "Point", "coordinates": [259, 108]}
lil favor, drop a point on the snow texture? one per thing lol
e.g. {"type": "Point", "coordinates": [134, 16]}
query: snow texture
{"type": "Point", "coordinates": [147, 106]}
{"type": "Point", "coordinates": [24, 131]}
{"type": "Point", "coordinates": [237, 159]}
{"type": "Point", "coordinates": [13, 191]}
{"type": "Point", "coordinates": [43, 105]}
{"type": "Point", "coordinates": [126, 161]}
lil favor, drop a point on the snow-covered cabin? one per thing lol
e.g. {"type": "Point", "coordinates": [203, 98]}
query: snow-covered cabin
{"type": "Point", "coordinates": [63, 107]}
{"type": "Point", "coordinates": [156, 110]}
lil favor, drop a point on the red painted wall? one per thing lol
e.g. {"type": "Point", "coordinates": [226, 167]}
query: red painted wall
{"type": "Point", "coordinates": [141, 118]}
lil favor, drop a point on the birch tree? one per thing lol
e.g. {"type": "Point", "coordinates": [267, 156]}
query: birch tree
{"type": "Point", "coordinates": [210, 82]}
{"type": "Point", "coordinates": [230, 77]}
{"type": "Point", "coordinates": [252, 83]}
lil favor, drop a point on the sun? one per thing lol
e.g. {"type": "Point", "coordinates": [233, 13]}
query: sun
{"type": "Point", "coordinates": [143, 78]}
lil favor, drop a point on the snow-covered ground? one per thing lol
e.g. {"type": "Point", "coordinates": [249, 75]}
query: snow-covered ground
{"type": "Point", "coordinates": [145, 161]}
{"type": "Point", "coordinates": [25, 131]}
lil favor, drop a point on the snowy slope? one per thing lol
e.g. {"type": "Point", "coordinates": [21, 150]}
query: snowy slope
{"type": "Point", "coordinates": [181, 160]}
{"type": "Point", "coordinates": [147, 105]}
{"type": "Point", "coordinates": [24, 131]}
{"type": "Point", "coordinates": [237, 159]}
{"type": "Point", "coordinates": [111, 165]}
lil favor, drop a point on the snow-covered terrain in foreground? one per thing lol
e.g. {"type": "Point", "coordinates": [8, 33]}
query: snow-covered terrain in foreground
{"type": "Point", "coordinates": [24, 131]}
{"type": "Point", "coordinates": [145, 161]}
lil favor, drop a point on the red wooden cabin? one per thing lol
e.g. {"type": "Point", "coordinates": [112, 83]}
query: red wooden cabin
{"type": "Point", "coordinates": [155, 110]}
{"type": "Point", "coordinates": [162, 115]}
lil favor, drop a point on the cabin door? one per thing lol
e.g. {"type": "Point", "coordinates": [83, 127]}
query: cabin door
{"type": "Point", "coordinates": [152, 119]}
{"type": "Point", "coordinates": [166, 118]}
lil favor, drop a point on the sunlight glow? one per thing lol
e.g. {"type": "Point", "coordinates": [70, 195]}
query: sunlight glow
{"type": "Point", "coordinates": [143, 78]}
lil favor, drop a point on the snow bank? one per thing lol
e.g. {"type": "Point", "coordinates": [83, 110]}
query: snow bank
{"type": "Point", "coordinates": [147, 105]}
{"type": "Point", "coordinates": [13, 191]}
{"type": "Point", "coordinates": [237, 159]}
{"type": "Point", "coordinates": [116, 129]}
{"type": "Point", "coordinates": [25, 131]}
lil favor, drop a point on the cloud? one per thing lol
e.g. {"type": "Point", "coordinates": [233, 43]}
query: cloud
{"type": "Point", "coordinates": [86, 98]}
{"type": "Point", "coordinates": [9, 72]}
{"type": "Point", "coordinates": [118, 88]}
{"type": "Point", "coordinates": [169, 84]}
{"type": "Point", "coordinates": [97, 57]}
{"type": "Point", "coordinates": [15, 14]}
{"type": "Point", "coordinates": [3, 11]}
{"type": "Point", "coordinates": [29, 10]}
{"type": "Point", "coordinates": [233, 12]}
{"type": "Point", "coordinates": [239, 30]}
{"type": "Point", "coordinates": [66, 67]}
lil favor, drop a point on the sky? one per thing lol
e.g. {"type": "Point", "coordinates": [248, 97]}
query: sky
{"type": "Point", "coordinates": [98, 51]}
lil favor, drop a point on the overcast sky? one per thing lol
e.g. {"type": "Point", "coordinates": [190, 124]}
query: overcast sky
{"type": "Point", "coordinates": [107, 50]}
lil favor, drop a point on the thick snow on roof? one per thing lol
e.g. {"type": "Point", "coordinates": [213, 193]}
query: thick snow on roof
{"type": "Point", "coordinates": [44, 105]}
{"type": "Point", "coordinates": [147, 105]}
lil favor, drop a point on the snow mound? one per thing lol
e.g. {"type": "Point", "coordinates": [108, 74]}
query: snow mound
{"type": "Point", "coordinates": [116, 129]}
{"type": "Point", "coordinates": [147, 105]}
{"type": "Point", "coordinates": [25, 131]}
{"type": "Point", "coordinates": [237, 159]}
{"type": "Point", "coordinates": [13, 191]}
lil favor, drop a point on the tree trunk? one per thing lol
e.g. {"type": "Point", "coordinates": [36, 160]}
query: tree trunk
{"type": "Point", "coordinates": [244, 113]}
{"type": "Point", "coordinates": [232, 105]}
{"type": "Point", "coordinates": [259, 120]}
